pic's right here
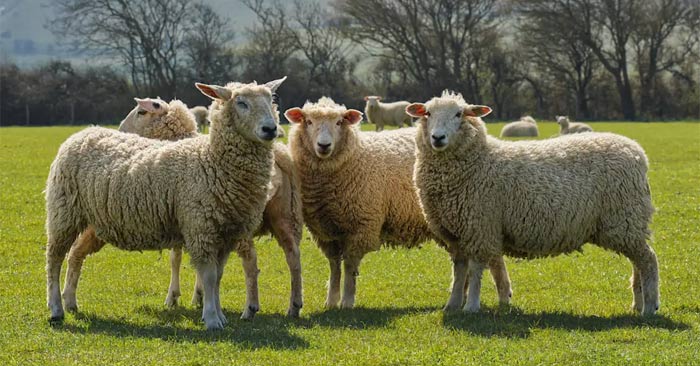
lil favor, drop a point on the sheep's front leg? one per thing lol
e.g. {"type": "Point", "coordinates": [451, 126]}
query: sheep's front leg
{"type": "Point", "coordinates": [499, 272]}
{"type": "Point", "coordinates": [351, 267]}
{"type": "Point", "coordinates": [333, 254]}
{"type": "Point", "coordinates": [250, 268]}
{"type": "Point", "coordinates": [476, 270]}
{"type": "Point", "coordinates": [174, 289]}
{"type": "Point", "coordinates": [222, 258]}
{"type": "Point", "coordinates": [459, 278]}
{"type": "Point", "coordinates": [208, 273]}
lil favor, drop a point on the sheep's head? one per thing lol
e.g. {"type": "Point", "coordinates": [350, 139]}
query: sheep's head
{"type": "Point", "coordinates": [449, 121]}
{"type": "Point", "coordinates": [562, 120]}
{"type": "Point", "coordinates": [324, 125]}
{"type": "Point", "coordinates": [243, 108]}
{"type": "Point", "coordinates": [372, 100]}
{"type": "Point", "coordinates": [143, 115]}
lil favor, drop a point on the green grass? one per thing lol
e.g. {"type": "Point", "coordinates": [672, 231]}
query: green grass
{"type": "Point", "coordinates": [567, 310]}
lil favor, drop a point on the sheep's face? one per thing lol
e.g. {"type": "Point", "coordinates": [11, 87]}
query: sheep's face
{"type": "Point", "coordinates": [562, 120]}
{"type": "Point", "coordinates": [372, 100]}
{"type": "Point", "coordinates": [324, 129]}
{"type": "Point", "coordinates": [246, 108]}
{"type": "Point", "coordinates": [446, 122]}
{"type": "Point", "coordinates": [145, 114]}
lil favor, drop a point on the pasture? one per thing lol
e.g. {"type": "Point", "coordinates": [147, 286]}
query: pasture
{"type": "Point", "coordinates": [571, 309]}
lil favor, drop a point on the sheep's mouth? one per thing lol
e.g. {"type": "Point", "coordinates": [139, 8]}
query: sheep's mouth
{"type": "Point", "coordinates": [438, 145]}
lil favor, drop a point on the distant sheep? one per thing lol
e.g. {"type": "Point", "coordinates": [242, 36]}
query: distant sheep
{"type": "Point", "coordinates": [567, 127]}
{"type": "Point", "coordinates": [201, 114]}
{"type": "Point", "coordinates": [357, 192]}
{"type": "Point", "coordinates": [389, 114]}
{"type": "Point", "coordinates": [525, 127]}
{"type": "Point", "coordinates": [157, 119]}
{"type": "Point", "coordinates": [486, 197]}
{"type": "Point", "coordinates": [143, 194]}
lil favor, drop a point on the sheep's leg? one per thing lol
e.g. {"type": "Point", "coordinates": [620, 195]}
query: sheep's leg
{"type": "Point", "coordinates": [351, 267]}
{"type": "Point", "coordinates": [250, 268]}
{"type": "Point", "coordinates": [208, 273]}
{"type": "Point", "coordinates": [222, 258]}
{"type": "Point", "coordinates": [87, 243]}
{"type": "Point", "coordinates": [174, 289]}
{"type": "Point", "coordinates": [58, 244]}
{"type": "Point", "coordinates": [198, 292]}
{"type": "Point", "coordinates": [499, 272]}
{"type": "Point", "coordinates": [333, 254]}
{"type": "Point", "coordinates": [476, 270]}
{"type": "Point", "coordinates": [645, 262]}
{"type": "Point", "coordinates": [293, 256]}
{"type": "Point", "coordinates": [459, 278]}
{"type": "Point", "coordinates": [638, 303]}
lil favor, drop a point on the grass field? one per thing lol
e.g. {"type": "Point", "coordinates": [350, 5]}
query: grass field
{"type": "Point", "coordinates": [567, 310]}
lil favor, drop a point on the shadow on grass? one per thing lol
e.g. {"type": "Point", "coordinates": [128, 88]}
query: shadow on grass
{"type": "Point", "coordinates": [511, 322]}
{"type": "Point", "coordinates": [266, 331]}
{"type": "Point", "coordinates": [360, 318]}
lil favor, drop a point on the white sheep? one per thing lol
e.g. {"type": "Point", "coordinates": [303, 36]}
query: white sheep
{"type": "Point", "coordinates": [390, 114]}
{"type": "Point", "coordinates": [282, 216]}
{"type": "Point", "coordinates": [357, 192]}
{"type": "Point", "coordinates": [486, 197]}
{"type": "Point", "coordinates": [201, 115]}
{"type": "Point", "coordinates": [136, 193]}
{"type": "Point", "coordinates": [567, 127]}
{"type": "Point", "coordinates": [525, 127]}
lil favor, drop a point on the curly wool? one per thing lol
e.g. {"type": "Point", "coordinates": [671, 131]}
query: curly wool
{"type": "Point", "coordinates": [526, 127]}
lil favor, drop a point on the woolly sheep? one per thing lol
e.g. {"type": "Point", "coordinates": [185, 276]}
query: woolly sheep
{"type": "Point", "coordinates": [201, 114]}
{"type": "Point", "coordinates": [525, 127]}
{"type": "Point", "coordinates": [391, 114]}
{"type": "Point", "coordinates": [282, 216]}
{"type": "Point", "coordinates": [567, 127]}
{"type": "Point", "coordinates": [357, 191]}
{"type": "Point", "coordinates": [487, 197]}
{"type": "Point", "coordinates": [136, 193]}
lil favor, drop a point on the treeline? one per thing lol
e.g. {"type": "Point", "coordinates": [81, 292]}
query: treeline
{"type": "Point", "coordinates": [590, 59]}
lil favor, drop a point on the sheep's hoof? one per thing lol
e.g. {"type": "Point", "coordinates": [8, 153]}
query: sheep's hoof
{"type": "Point", "coordinates": [451, 308]}
{"type": "Point", "coordinates": [72, 308]}
{"type": "Point", "coordinates": [56, 320]}
{"type": "Point", "coordinates": [294, 310]}
{"type": "Point", "coordinates": [249, 312]}
{"type": "Point", "coordinates": [171, 301]}
{"type": "Point", "coordinates": [471, 308]}
{"type": "Point", "coordinates": [214, 324]}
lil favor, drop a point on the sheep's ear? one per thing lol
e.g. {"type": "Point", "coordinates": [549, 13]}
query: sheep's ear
{"type": "Point", "coordinates": [352, 116]}
{"type": "Point", "coordinates": [477, 110]}
{"type": "Point", "coordinates": [417, 110]}
{"type": "Point", "coordinates": [274, 84]}
{"type": "Point", "coordinates": [214, 91]}
{"type": "Point", "coordinates": [149, 105]}
{"type": "Point", "coordinates": [294, 115]}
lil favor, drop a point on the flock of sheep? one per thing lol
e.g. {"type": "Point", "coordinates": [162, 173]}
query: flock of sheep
{"type": "Point", "coordinates": [157, 183]}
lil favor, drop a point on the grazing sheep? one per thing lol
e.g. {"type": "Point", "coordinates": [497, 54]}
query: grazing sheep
{"type": "Point", "coordinates": [201, 114]}
{"type": "Point", "coordinates": [526, 127]}
{"type": "Point", "coordinates": [487, 197]}
{"type": "Point", "coordinates": [357, 191]}
{"type": "Point", "coordinates": [282, 216]}
{"type": "Point", "coordinates": [566, 127]}
{"type": "Point", "coordinates": [391, 114]}
{"type": "Point", "coordinates": [207, 192]}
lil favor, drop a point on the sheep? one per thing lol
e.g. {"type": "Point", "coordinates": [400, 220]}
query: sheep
{"type": "Point", "coordinates": [525, 127]}
{"type": "Point", "coordinates": [392, 114]}
{"type": "Point", "coordinates": [357, 191]}
{"type": "Point", "coordinates": [136, 193]}
{"type": "Point", "coordinates": [282, 216]}
{"type": "Point", "coordinates": [487, 197]}
{"type": "Point", "coordinates": [566, 127]}
{"type": "Point", "coordinates": [201, 114]}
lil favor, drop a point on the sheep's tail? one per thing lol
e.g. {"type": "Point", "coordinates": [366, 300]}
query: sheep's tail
{"type": "Point", "coordinates": [284, 161]}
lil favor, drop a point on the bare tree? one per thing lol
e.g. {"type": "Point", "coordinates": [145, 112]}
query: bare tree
{"type": "Point", "coordinates": [207, 46]}
{"type": "Point", "coordinates": [146, 35]}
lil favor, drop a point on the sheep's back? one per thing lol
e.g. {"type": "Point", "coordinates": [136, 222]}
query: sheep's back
{"type": "Point", "coordinates": [519, 129]}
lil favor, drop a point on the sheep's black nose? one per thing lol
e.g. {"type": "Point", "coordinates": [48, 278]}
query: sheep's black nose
{"type": "Point", "coordinates": [324, 146]}
{"type": "Point", "coordinates": [270, 130]}
{"type": "Point", "coordinates": [438, 138]}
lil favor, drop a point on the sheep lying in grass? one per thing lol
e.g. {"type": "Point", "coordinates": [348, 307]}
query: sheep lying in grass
{"type": "Point", "coordinates": [390, 114]}
{"type": "Point", "coordinates": [526, 127]}
{"type": "Point", "coordinates": [357, 191]}
{"type": "Point", "coordinates": [567, 127]}
{"type": "Point", "coordinates": [207, 192]}
{"type": "Point", "coordinates": [282, 216]}
{"type": "Point", "coordinates": [201, 115]}
{"type": "Point", "coordinates": [487, 197]}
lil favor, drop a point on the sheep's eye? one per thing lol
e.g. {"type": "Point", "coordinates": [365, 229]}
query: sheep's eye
{"type": "Point", "coordinates": [458, 115]}
{"type": "Point", "coordinates": [427, 114]}
{"type": "Point", "coordinates": [340, 122]}
{"type": "Point", "coordinates": [141, 113]}
{"type": "Point", "coordinates": [275, 98]}
{"type": "Point", "coordinates": [241, 104]}
{"type": "Point", "coordinates": [308, 123]}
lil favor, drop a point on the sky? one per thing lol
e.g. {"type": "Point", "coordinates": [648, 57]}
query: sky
{"type": "Point", "coordinates": [25, 40]}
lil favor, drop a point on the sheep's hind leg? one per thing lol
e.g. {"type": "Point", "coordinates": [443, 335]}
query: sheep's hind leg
{"type": "Point", "coordinates": [198, 292]}
{"type": "Point", "coordinates": [174, 289]}
{"type": "Point", "coordinates": [476, 270]}
{"type": "Point", "coordinates": [293, 256]}
{"type": "Point", "coordinates": [499, 272]}
{"type": "Point", "coordinates": [250, 267]}
{"type": "Point", "coordinates": [636, 281]}
{"type": "Point", "coordinates": [222, 258]}
{"type": "Point", "coordinates": [351, 266]}
{"type": "Point", "coordinates": [58, 244]}
{"type": "Point", "coordinates": [86, 244]}
{"type": "Point", "coordinates": [644, 261]}
{"type": "Point", "coordinates": [459, 278]}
